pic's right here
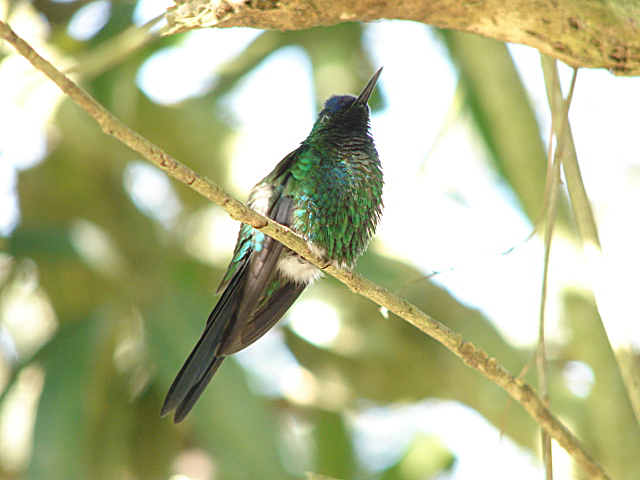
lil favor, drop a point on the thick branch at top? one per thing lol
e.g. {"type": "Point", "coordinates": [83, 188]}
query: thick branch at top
{"type": "Point", "coordinates": [581, 33]}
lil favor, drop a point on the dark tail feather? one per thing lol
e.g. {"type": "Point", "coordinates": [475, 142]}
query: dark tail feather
{"type": "Point", "coordinates": [195, 373]}
{"type": "Point", "coordinates": [198, 365]}
{"type": "Point", "coordinates": [203, 361]}
{"type": "Point", "coordinates": [193, 395]}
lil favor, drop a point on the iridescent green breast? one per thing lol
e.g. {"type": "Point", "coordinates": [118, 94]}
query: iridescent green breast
{"type": "Point", "coordinates": [339, 200]}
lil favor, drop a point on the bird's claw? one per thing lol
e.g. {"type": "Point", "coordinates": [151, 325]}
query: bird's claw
{"type": "Point", "coordinates": [321, 262]}
{"type": "Point", "coordinates": [324, 264]}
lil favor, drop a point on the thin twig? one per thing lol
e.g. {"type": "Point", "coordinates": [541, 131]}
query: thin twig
{"type": "Point", "coordinates": [470, 355]}
{"type": "Point", "coordinates": [614, 306]}
{"type": "Point", "coordinates": [558, 124]}
{"type": "Point", "coordinates": [541, 356]}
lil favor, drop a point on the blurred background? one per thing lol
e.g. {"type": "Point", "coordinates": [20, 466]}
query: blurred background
{"type": "Point", "coordinates": [108, 268]}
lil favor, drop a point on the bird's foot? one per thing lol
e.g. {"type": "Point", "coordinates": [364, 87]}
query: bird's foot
{"type": "Point", "coordinates": [318, 256]}
{"type": "Point", "coordinates": [322, 263]}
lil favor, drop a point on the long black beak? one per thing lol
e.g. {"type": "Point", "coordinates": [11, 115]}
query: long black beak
{"type": "Point", "coordinates": [366, 93]}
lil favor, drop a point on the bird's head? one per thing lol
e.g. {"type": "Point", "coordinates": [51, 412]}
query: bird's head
{"type": "Point", "coordinates": [342, 111]}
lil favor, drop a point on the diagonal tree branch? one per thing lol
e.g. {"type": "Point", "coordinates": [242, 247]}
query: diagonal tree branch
{"type": "Point", "coordinates": [470, 354]}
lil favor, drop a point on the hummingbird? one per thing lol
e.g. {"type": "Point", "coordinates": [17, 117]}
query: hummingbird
{"type": "Point", "coordinates": [328, 191]}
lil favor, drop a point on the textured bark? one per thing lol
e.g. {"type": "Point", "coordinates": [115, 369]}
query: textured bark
{"type": "Point", "coordinates": [581, 33]}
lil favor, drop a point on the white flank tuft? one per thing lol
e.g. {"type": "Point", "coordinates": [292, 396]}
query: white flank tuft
{"type": "Point", "coordinates": [259, 198]}
{"type": "Point", "coordinates": [296, 269]}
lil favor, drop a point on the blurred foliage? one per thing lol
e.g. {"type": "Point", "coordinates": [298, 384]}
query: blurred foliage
{"type": "Point", "coordinates": [125, 326]}
{"type": "Point", "coordinates": [499, 103]}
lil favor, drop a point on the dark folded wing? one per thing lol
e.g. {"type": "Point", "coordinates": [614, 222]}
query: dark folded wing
{"type": "Point", "coordinates": [252, 302]}
{"type": "Point", "coordinates": [267, 316]}
{"type": "Point", "coordinates": [266, 297]}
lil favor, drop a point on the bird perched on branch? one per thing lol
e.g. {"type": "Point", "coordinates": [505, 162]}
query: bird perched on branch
{"type": "Point", "coordinates": [329, 192]}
